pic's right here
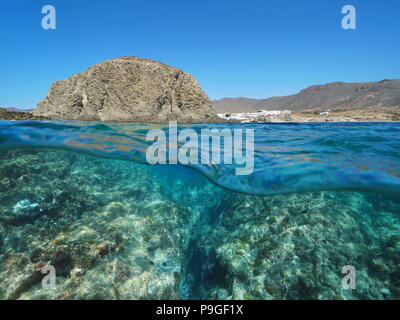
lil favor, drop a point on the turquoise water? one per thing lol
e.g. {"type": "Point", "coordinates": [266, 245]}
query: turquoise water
{"type": "Point", "coordinates": [81, 197]}
{"type": "Point", "coordinates": [288, 157]}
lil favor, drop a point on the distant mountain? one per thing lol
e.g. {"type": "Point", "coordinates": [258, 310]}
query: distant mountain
{"type": "Point", "coordinates": [336, 95]}
{"type": "Point", "coordinates": [17, 110]}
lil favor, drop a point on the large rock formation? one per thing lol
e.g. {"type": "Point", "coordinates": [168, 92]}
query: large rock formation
{"type": "Point", "coordinates": [128, 89]}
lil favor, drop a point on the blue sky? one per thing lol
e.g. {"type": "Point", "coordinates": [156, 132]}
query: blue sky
{"type": "Point", "coordinates": [234, 48]}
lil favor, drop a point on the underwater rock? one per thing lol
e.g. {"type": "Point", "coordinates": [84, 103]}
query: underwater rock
{"type": "Point", "coordinates": [119, 230]}
{"type": "Point", "coordinates": [125, 245]}
{"type": "Point", "coordinates": [23, 207]}
{"type": "Point", "coordinates": [294, 247]}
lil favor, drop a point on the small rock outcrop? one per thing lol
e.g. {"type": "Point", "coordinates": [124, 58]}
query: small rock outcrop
{"type": "Point", "coordinates": [6, 114]}
{"type": "Point", "coordinates": [128, 89]}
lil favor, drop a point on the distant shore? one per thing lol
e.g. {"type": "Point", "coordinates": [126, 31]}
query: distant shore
{"type": "Point", "coordinates": [370, 114]}
{"type": "Point", "coordinates": [363, 115]}
{"type": "Point", "coordinates": [18, 115]}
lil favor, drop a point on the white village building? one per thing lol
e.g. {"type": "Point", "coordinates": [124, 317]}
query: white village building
{"type": "Point", "coordinates": [255, 116]}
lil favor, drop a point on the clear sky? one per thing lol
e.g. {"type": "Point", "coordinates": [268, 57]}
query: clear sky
{"type": "Point", "coordinates": [234, 48]}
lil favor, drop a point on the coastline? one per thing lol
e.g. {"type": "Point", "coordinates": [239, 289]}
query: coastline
{"type": "Point", "coordinates": [18, 116]}
{"type": "Point", "coordinates": [380, 114]}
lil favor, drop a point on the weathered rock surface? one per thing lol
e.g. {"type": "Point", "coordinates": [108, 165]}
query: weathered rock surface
{"type": "Point", "coordinates": [128, 89]}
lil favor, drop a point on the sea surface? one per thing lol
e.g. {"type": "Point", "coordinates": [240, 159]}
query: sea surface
{"type": "Point", "coordinates": [81, 197]}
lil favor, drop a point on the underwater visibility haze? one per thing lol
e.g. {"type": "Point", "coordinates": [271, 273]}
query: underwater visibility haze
{"type": "Point", "coordinates": [80, 196]}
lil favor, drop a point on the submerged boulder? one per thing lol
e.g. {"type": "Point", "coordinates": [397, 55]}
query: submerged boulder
{"type": "Point", "coordinates": [128, 89]}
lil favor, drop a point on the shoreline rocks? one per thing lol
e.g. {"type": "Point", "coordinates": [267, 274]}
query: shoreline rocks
{"type": "Point", "coordinates": [19, 116]}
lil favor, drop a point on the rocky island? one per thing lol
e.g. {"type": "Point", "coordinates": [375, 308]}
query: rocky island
{"type": "Point", "coordinates": [128, 89]}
